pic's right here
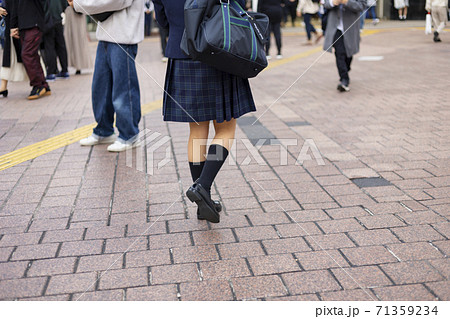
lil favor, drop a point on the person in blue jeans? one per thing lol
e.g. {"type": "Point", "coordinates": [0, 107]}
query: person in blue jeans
{"type": "Point", "coordinates": [115, 86]}
{"type": "Point", "coordinates": [308, 9]}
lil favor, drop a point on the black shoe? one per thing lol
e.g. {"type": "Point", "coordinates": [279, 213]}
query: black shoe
{"type": "Point", "coordinates": [62, 76]}
{"type": "Point", "coordinates": [4, 93]}
{"type": "Point", "coordinates": [217, 207]}
{"type": "Point", "coordinates": [343, 87]}
{"type": "Point", "coordinates": [196, 193]}
{"type": "Point", "coordinates": [436, 37]}
{"type": "Point", "coordinates": [78, 72]}
{"type": "Point", "coordinates": [37, 92]}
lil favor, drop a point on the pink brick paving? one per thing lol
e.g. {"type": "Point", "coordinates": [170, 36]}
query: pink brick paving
{"type": "Point", "coordinates": [68, 218]}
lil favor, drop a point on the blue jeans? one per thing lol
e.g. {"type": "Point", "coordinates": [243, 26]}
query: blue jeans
{"type": "Point", "coordinates": [309, 27]}
{"type": "Point", "coordinates": [372, 13]}
{"type": "Point", "coordinates": [115, 89]}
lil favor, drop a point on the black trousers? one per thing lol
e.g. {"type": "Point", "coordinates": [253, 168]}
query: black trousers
{"type": "Point", "coordinates": [292, 9]}
{"type": "Point", "coordinates": [275, 28]}
{"type": "Point", "coordinates": [55, 46]}
{"type": "Point", "coordinates": [164, 35]}
{"type": "Point", "coordinates": [343, 62]}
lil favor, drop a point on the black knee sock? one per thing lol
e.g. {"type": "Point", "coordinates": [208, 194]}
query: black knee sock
{"type": "Point", "coordinates": [196, 169]}
{"type": "Point", "coordinates": [217, 155]}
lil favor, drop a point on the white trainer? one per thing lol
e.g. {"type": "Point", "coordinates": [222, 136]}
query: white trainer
{"type": "Point", "coordinates": [95, 139]}
{"type": "Point", "coordinates": [120, 146]}
{"type": "Point", "coordinates": [279, 57]}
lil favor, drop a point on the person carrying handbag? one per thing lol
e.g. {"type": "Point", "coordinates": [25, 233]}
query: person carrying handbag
{"type": "Point", "coordinates": [439, 15]}
{"type": "Point", "coordinates": [197, 93]}
{"type": "Point", "coordinates": [115, 86]}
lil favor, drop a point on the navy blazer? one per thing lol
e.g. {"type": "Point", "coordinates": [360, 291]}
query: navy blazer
{"type": "Point", "coordinates": [170, 14]}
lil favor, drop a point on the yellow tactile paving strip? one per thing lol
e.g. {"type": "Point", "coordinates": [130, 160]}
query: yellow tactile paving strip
{"type": "Point", "coordinates": [34, 150]}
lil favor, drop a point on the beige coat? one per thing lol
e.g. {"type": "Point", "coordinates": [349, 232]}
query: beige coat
{"type": "Point", "coordinates": [307, 6]}
{"type": "Point", "coordinates": [435, 3]}
{"type": "Point", "coordinates": [76, 36]}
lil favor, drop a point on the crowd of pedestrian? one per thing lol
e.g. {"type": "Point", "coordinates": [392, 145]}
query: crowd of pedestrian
{"type": "Point", "coordinates": [39, 33]}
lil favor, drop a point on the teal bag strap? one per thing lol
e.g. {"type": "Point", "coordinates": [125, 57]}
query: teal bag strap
{"type": "Point", "coordinates": [226, 25]}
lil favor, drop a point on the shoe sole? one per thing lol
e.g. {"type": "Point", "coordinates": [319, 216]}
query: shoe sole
{"type": "Point", "coordinates": [126, 149]}
{"type": "Point", "coordinates": [35, 97]}
{"type": "Point", "coordinates": [98, 143]}
{"type": "Point", "coordinates": [342, 89]}
{"type": "Point", "coordinates": [102, 141]}
{"type": "Point", "coordinates": [218, 209]}
{"type": "Point", "coordinates": [210, 215]}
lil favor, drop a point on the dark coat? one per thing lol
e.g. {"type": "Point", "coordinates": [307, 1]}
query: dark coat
{"type": "Point", "coordinates": [6, 62]}
{"type": "Point", "coordinates": [170, 14]}
{"type": "Point", "coordinates": [271, 8]}
{"type": "Point", "coordinates": [56, 7]}
{"type": "Point", "coordinates": [27, 14]}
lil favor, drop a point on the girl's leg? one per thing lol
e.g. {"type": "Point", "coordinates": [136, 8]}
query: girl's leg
{"type": "Point", "coordinates": [225, 133]}
{"type": "Point", "coordinates": [217, 152]}
{"type": "Point", "coordinates": [4, 85]}
{"type": "Point", "coordinates": [197, 147]}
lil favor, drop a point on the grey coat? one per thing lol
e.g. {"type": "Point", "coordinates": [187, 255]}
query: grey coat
{"type": "Point", "coordinates": [351, 14]}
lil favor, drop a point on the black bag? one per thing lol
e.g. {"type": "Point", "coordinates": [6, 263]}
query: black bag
{"type": "Point", "coordinates": [100, 17]}
{"type": "Point", "coordinates": [222, 34]}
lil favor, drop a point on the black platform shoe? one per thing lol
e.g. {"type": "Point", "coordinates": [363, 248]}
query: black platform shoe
{"type": "Point", "coordinates": [4, 93]}
{"type": "Point", "coordinates": [217, 206]}
{"type": "Point", "coordinates": [206, 207]}
{"type": "Point", "coordinates": [436, 37]}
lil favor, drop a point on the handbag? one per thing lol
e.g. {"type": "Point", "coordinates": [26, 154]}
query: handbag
{"type": "Point", "coordinates": [223, 35]}
{"type": "Point", "coordinates": [428, 23]}
{"type": "Point", "coordinates": [100, 17]}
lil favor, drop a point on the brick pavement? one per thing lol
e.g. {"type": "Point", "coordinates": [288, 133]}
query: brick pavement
{"type": "Point", "coordinates": [80, 220]}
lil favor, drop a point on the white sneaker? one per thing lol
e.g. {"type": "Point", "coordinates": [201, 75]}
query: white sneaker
{"type": "Point", "coordinates": [95, 139]}
{"type": "Point", "coordinates": [165, 59]}
{"type": "Point", "coordinates": [120, 146]}
{"type": "Point", "coordinates": [268, 57]}
{"type": "Point", "coordinates": [279, 57]}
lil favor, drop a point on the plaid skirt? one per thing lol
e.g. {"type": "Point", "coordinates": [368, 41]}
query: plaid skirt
{"type": "Point", "coordinates": [196, 92]}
